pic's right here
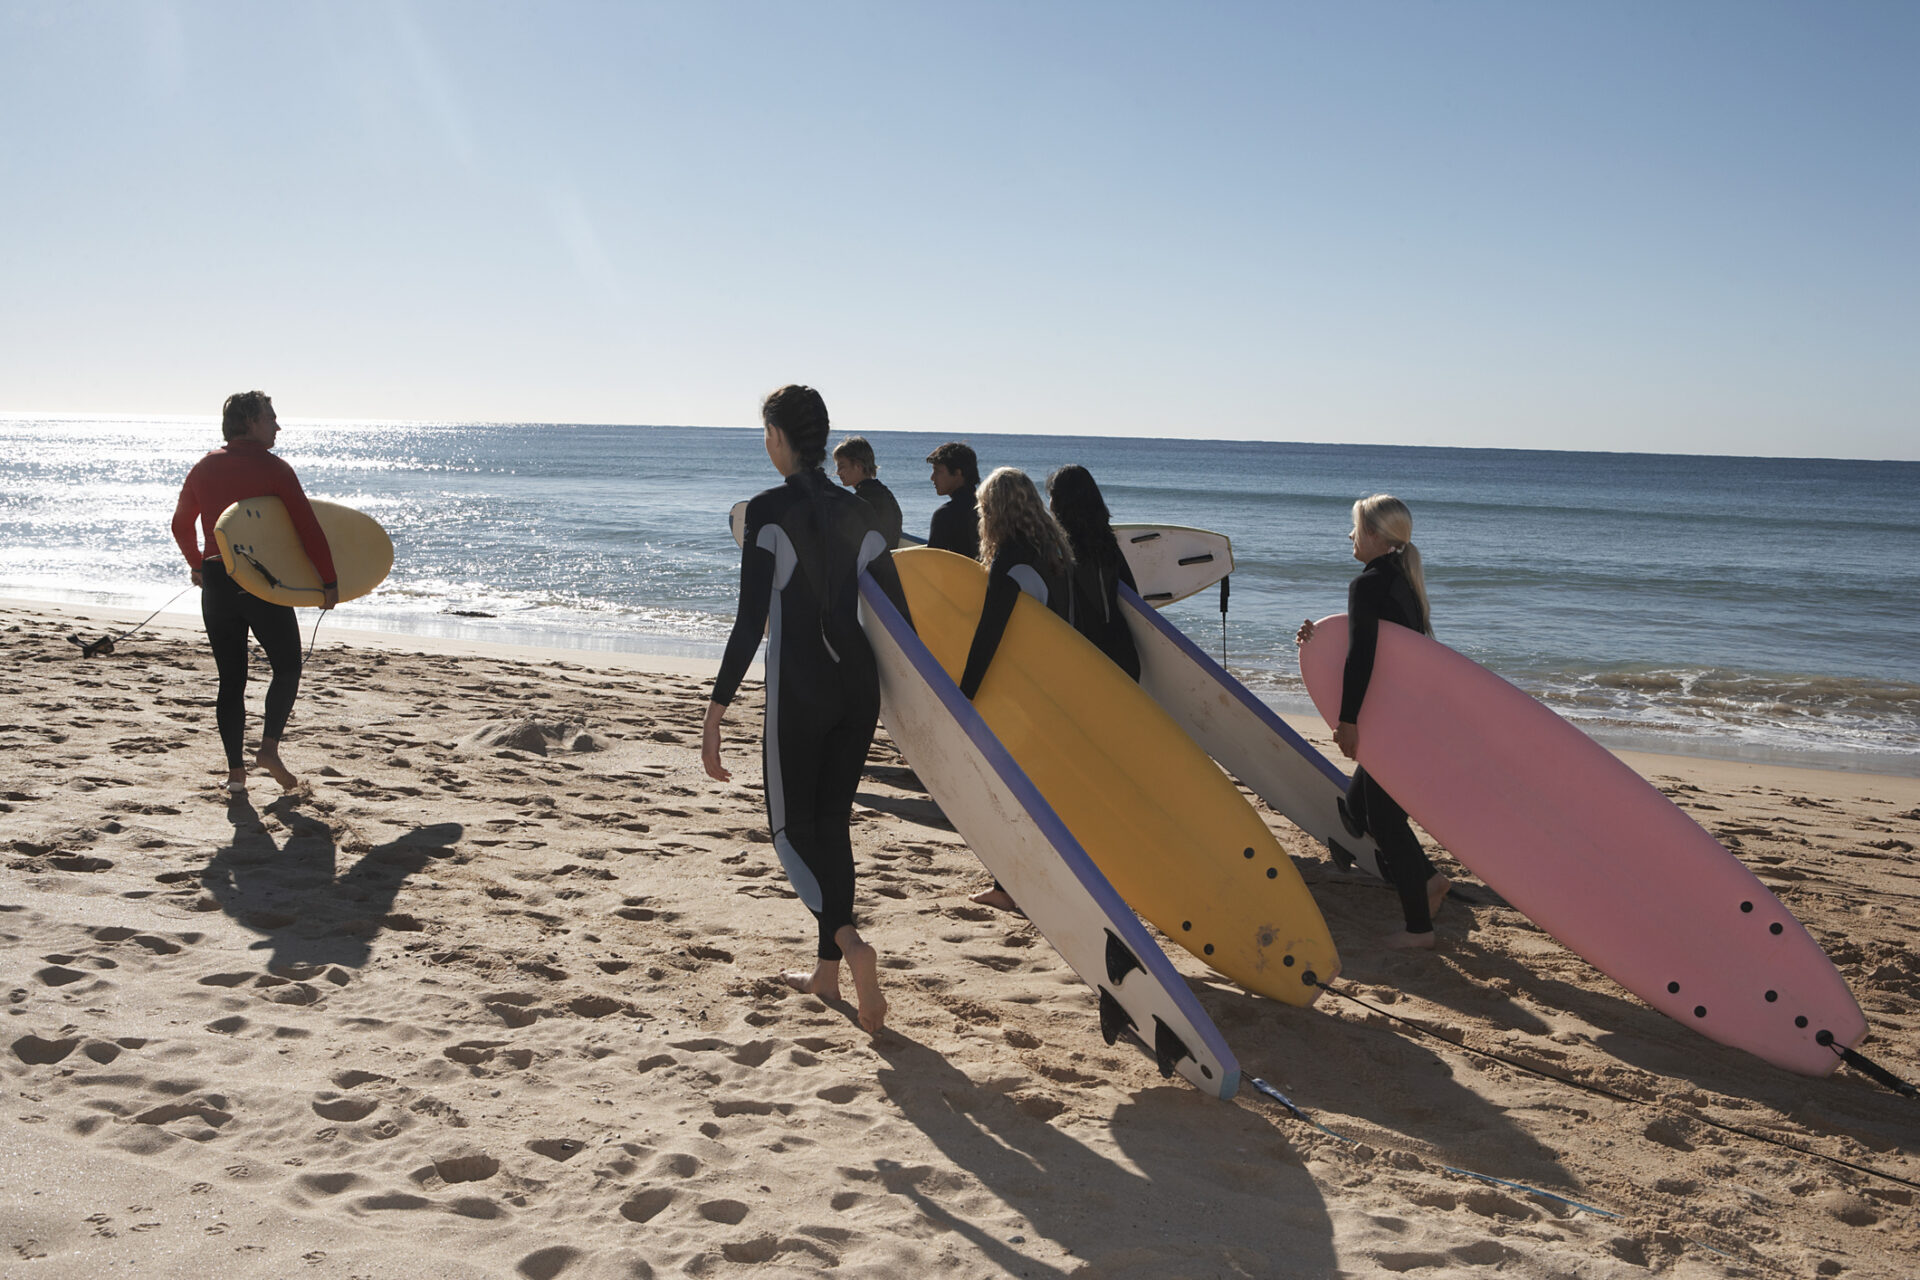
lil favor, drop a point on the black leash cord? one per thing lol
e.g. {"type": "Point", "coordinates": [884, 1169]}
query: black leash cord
{"type": "Point", "coordinates": [105, 643]}
{"type": "Point", "coordinates": [1605, 1092]}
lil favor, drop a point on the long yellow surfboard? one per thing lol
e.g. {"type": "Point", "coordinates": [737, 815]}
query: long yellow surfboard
{"type": "Point", "coordinates": [263, 554]}
{"type": "Point", "coordinates": [1155, 814]}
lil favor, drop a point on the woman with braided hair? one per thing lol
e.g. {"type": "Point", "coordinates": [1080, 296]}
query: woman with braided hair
{"type": "Point", "coordinates": [807, 543]}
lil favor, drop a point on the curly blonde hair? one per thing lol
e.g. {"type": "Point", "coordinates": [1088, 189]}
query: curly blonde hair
{"type": "Point", "coordinates": [1010, 509]}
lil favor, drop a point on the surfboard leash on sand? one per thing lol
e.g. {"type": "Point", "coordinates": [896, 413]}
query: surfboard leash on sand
{"type": "Point", "coordinates": [1268, 1090]}
{"type": "Point", "coordinates": [94, 648]}
{"type": "Point", "coordinates": [1897, 1084]}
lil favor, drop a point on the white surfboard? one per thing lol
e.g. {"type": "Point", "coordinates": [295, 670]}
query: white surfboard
{"type": "Point", "coordinates": [1242, 733]}
{"type": "Point", "coordinates": [1021, 840]}
{"type": "Point", "coordinates": [1171, 562]}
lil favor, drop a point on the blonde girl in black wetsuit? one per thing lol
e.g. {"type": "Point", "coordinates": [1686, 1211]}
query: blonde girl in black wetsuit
{"type": "Point", "coordinates": [807, 543]}
{"type": "Point", "coordinates": [1392, 588]}
{"type": "Point", "coordinates": [1025, 550]}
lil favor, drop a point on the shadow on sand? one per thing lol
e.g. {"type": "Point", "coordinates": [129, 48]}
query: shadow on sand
{"type": "Point", "coordinates": [292, 895]}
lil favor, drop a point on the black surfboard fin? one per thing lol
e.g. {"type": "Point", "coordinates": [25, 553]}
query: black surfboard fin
{"type": "Point", "coordinates": [1342, 858]}
{"type": "Point", "coordinates": [1114, 1019]}
{"type": "Point", "coordinates": [1120, 959]}
{"type": "Point", "coordinates": [1168, 1048]}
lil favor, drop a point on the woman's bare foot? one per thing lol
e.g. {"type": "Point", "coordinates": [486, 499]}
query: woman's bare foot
{"type": "Point", "coordinates": [269, 759]}
{"type": "Point", "coordinates": [1437, 888]}
{"type": "Point", "coordinates": [824, 981]}
{"type": "Point", "coordinates": [997, 898]}
{"type": "Point", "coordinates": [1404, 941]}
{"type": "Point", "coordinates": [236, 780]}
{"type": "Point", "coordinates": [864, 961]}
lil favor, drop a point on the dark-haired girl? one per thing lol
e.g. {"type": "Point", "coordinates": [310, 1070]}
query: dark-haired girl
{"type": "Point", "coordinates": [1392, 588]}
{"type": "Point", "coordinates": [1098, 567]}
{"type": "Point", "coordinates": [806, 544]}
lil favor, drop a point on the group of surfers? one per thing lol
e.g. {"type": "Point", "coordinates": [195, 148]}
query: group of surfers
{"type": "Point", "coordinates": [806, 544]}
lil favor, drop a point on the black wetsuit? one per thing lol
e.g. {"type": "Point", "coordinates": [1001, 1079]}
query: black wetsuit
{"type": "Point", "coordinates": [885, 506]}
{"type": "Point", "coordinates": [1094, 609]}
{"type": "Point", "coordinates": [228, 614]}
{"type": "Point", "coordinates": [956, 525]}
{"type": "Point", "coordinates": [1015, 568]}
{"type": "Point", "coordinates": [806, 543]}
{"type": "Point", "coordinates": [1382, 594]}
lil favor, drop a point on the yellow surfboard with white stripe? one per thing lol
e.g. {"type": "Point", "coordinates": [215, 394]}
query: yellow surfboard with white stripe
{"type": "Point", "coordinates": [1163, 823]}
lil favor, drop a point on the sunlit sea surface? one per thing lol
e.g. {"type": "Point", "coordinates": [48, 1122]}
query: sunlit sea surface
{"type": "Point", "coordinates": [1749, 608]}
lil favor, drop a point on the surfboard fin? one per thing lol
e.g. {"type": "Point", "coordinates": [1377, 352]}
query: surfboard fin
{"type": "Point", "coordinates": [105, 645]}
{"type": "Point", "coordinates": [1114, 1019]}
{"type": "Point", "coordinates": [1120, 960]}
{"type": "Point", "coordinates": [1168, 1048]}
{"type": "Point", "coordinates": [1341, 857]}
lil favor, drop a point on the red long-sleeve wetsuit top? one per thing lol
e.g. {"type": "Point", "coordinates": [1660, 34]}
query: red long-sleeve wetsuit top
{"type": "Point", "coordinates": [244, 469]}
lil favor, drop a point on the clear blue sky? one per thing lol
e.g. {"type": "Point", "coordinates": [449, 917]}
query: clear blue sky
{"type": "Point", "coordinates": [1649, 226]}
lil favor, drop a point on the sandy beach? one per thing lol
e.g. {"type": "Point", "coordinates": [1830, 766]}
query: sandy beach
{"type": "Point", "coordinates": [499, 996]}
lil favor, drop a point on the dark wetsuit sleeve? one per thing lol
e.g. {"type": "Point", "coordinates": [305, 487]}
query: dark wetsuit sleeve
{"type": "Point", "coordinates": [995, 612]}
{"type": "Point", "coordinates": [749, 618]}
{"type": "Point", "coordinates": [1365, 598]}
{"type": "Point", "coordinates": [1126, 575]}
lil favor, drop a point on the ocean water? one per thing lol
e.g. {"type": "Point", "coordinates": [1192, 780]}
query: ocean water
{"type": "Point", "coordinates": [1737, 607]}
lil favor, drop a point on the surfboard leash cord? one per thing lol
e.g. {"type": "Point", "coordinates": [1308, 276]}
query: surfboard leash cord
{"type": "Point", "coordinates": [1261, 1086]}
{"type": "Point", "coordinates": [1603, 1091]}
{"type": "Point", "coordinates": [94, 648]}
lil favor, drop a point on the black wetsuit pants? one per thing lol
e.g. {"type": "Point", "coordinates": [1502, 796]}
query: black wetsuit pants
{"type": "Point", "coordinates": [229, 613]}
{"type": "Point", "coordinates": [815, 750]}
{"type": "Point", "coordinates": [1402, 860]}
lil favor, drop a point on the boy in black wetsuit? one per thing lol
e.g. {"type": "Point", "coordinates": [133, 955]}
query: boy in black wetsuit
{"type": "Point", "coordinates": [806, 544]}
{"type": "Point", "coordinates": [853, 461]}
{"type": "Point", "coordinates": [956, 525]}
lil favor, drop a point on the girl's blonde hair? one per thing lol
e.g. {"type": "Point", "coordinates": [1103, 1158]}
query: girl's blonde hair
{"type": "Point", "coordinates": [1010, 508]}
{"type": "Point", "coordinates": [1387, 517]}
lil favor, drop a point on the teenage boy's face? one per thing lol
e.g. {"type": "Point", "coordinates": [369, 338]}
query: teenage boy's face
{"type": "Point", "coordinates": [946, 480]}
{"type": "Point", "coordinates": [849, 471]}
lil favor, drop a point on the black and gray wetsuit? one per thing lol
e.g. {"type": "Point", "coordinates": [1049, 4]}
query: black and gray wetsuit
{"type": "Point", "coordinates": [807, 542]}
{"type": "Point", "coordinates": [1382, 594]}
{"type": "Point", "coordinates": [1015, 568]}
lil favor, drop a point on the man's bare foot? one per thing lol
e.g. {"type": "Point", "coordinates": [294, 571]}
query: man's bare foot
{"type": "Point", "coordinates": [865, 963]}
{"type": "Point", "coordinates": [997, 898]}
{"type": "Point", "coordinates": [236, 780]}
{"type": "Point", "coordinates": [269, 759]}
{"type": "Point", "coordinates": [824, 981]}
{"type": "Point", "coordinates": [1438, 887]}
{"type": "Point", "coordinates": [1404, 941]}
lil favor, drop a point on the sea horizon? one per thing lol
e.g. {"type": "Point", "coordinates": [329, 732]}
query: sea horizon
{"type": "Point", "coordinates": [1735, 607]}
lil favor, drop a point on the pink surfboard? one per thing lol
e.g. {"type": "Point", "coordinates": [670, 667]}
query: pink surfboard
{"type": "Point", "coordinates": [1588, 850]}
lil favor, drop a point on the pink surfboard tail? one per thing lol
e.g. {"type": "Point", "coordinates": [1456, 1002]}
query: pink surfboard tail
{"type": "Point", "coordinates": [1588, 850]}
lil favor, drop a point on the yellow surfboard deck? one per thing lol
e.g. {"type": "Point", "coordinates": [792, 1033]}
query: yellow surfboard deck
{"type": "Point", "coordinates": [1158, 817]}
{"type": "Point", "coordinates": [262, 551]}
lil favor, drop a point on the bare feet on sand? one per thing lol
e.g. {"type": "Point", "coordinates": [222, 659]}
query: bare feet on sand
{"type": "Point", "coordinates": [1404, 941]}
{"type": "Point", "coordinates": [997, 898]}
{"type": "Point", "coordinates": [1438, 887]}
{"type": "Point", "coordinates": [824, 981]}
{"type": "Point", "coordinates": [269, 759]}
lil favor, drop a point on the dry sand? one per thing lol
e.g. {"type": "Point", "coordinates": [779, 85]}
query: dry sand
{"type": "Point", "coordinates": [500, 998]}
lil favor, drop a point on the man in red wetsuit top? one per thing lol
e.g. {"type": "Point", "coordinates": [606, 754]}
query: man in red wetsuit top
{"type": "Point", "coordinates": [245, 468]}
